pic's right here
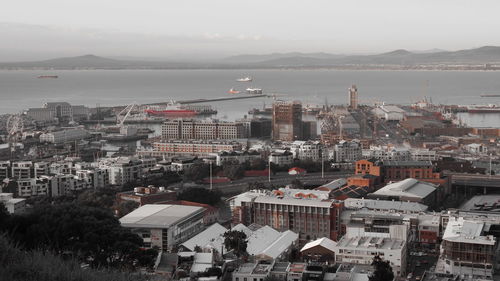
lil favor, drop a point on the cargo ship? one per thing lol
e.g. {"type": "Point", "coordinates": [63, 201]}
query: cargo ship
{"type": "Point", "coordinates": [171, 110]}
{"type": "Point", "coordinates": [47, 76]}
{"type": "Point", "coordinates": [491, 108]}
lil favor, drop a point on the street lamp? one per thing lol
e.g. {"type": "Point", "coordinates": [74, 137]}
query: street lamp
{"type": "Point", "coordinates": [210, 163]}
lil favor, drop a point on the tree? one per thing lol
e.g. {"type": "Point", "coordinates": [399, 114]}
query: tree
{"type": "Point", "coordinates": [4, 216]}
{"type": "Point", "coordinates": [126, 207]}
{"type": "Point", "coordinates": [104, 198]}
{"type": "Point", "coordinates": [296, 183]}
{"type": "Point", "coordinates": [233, 170]}
{"type": "Point", "coordinates": [200, 195]}
{"type": "Point", "coordinates": [256, 185]}
{"type": "Point", "coordinates": [236, 241]}
{"type": "Point", "coordinates": [258, 164]}
{"type": "Point", "coordinates": [92, 235]}
{"type": "Point", "coordinates": [383, 270]}
{"type": "Point", "coordinates": [196, 172]}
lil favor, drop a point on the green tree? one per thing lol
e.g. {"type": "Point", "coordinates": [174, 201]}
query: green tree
{"type": "Point", "coordinates": [233, 170]}
{"type": "Point", "coordinates": [103, 198]}
{"type": "Point", "coordinates": [258, 164]}
{"type": "Point", "coordinates": [296, 183]}
{"type": "Point", "coordinates": [236, 241]}
{"type": "Point", "coordinates": [196, 172]}
{"type": "Point", "coordinates": [126, 207]}
{"type": "Point", "coordinates": [201, 195]}
{"type": "Point", "coordinates": [4, 216]}
{"type": "Point", "coordinates": [256, 185]}
{"type": "Point", "coordinates": [92, 235]}
{"type": "Point", "coordinates": [383, 270]}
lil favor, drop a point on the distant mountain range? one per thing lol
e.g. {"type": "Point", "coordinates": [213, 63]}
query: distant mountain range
{"type": "Point", "coordinates": [402, 58]}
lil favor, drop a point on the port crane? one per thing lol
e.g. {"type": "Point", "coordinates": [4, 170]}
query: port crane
{"type": "Point", "coordinates": [124, 114]}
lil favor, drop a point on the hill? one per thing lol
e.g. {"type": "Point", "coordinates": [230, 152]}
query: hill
{"type": "Point", "coordinates": [404, 58]}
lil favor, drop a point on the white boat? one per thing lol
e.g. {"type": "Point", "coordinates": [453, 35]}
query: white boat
{"type": "Point", "coordinates": [245, 79]}
{"type": "Point", "coordinates": [254, 91]}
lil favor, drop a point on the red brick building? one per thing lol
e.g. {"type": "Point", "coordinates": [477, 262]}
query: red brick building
{"type": "Point", "coordinates": [312, 219]}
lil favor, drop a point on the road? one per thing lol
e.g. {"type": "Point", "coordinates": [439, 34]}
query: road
{"type": "Point", "coordinates": [280, 179]}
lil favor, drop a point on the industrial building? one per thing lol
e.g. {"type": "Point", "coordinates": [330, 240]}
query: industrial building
{"type": "Point", "coordinates": [164, 226]}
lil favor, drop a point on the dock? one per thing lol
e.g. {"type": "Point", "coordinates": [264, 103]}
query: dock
{"type": "Point", "coordinates": [216, 99]}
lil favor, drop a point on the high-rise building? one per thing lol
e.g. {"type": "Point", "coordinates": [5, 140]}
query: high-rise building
{"type": "Point", "coordinates": [287, 121]}
{"type": "Point", "coordinates": [353, 97]}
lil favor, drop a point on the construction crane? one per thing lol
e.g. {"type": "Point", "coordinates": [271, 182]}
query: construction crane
{"type": "Point", "coordinates": [124, 114]}
{"type": "Point", "coordinates": [14, 126]}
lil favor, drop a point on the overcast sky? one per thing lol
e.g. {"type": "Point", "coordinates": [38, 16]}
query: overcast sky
{"type": "Point", "coordinates": [32, 29]}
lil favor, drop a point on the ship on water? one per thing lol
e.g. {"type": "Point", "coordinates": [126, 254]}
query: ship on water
{"type": "Point", "coordinates": [232, 91]}
{"type": "Point", "coordinates": [490, 95]}
{"type": "Point", "coordinates": [171, 110]}
{"type": "Point", "coordinates": [47, 76]}
{"type": "Point", "coordinates": [245, 79]}
{"type": "Point", "coordinates": [254, 91]}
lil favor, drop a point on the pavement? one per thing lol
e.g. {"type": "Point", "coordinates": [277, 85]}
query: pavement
{"type": "Point", "coordinates": [280, 179]}
{"type": "Point", "coordinates": [419, 264]}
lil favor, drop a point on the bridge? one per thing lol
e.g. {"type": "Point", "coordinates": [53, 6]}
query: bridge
{"type": "Point", "coordinates": [475, 180]}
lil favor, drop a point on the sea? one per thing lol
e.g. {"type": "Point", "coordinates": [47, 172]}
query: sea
{"type": "Point", "coordinates": [21, 89]}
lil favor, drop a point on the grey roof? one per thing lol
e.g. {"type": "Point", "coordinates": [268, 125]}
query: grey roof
{"type": "Point", "coordinates": [159, 216]}
{"type": "Point", "coordinates": [407, 163]}
{"type": "Point", "coordinates": [294, 202]}
{"type": "Point", "coordinates": [407, 188]}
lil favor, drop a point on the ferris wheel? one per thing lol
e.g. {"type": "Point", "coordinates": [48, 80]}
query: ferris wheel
{"type": "Point", "coordinates": [14, 127]}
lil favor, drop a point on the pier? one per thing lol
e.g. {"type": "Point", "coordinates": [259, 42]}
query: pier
{"type": "Point", "coordinates": [215, 99]}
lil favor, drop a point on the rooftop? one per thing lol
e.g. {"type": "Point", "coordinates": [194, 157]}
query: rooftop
{"type": "Point", "coordinates": [160, 216]}
{"type": "Point", "coordinates": [408, 188]}
{"type": "Point", "coordinates": [356, 203]}
{"type": "Point", "coordinates": [389, 163]}
{"type": "Point", "coordinates": [467, 231]}
{"type": "Point", "coordinates": [371, 242]}
{"type": "Point", "coordinates": [294, 201]}
{"type": "Point", "coordinates": [322, 242]}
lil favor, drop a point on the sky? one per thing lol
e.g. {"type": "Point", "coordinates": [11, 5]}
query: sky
{"type": "Point", "coordinates": [34, 29]}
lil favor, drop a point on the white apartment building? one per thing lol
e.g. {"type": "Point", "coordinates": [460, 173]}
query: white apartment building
{"type": "Point", "coordinates": [361, 250]}
{"type": "Point", "coordinates": [423, 155]}
{"type": "Point", "coordinates": [4, 170]}
{"type": "Point", "coordinates": [41, 169]}
{"type": "Point", "coordinates": [33, 187]}
{"type": "Point", "coordinates": [467, 250]}
{"type": "Point", "coordinates": [345, 151]}
{"type": "Point", "coordinates": [63, 136]}
{"type": "Point", "coordinates": [122, 170]}
{"type": "Point", "coordinates": [236, 156]}
{"type": "Point", "coordinates": [388, 153]}
{"type": "Point", "coordinates": [281, 157]}
{"type": "Point", "coordinates": [306, 150]}
{"type": "Point", "coordinates": [13, 205]}
{"type": "Point", "coordinates": [21, 170]}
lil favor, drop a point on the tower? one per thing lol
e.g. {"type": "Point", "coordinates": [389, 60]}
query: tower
{"type": "Point", "coordinates": [353, 97]}
{"type": "Point", "coordinates": [287, 121]}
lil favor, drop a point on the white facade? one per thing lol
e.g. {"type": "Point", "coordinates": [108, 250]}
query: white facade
{"type": "Point", "coordinates": [21, 170]}
{"type": "Point", "coordinates": [236, 156]}
{"type": "Point", "coordinates": [347, 151]}
{"type": "Point", "coordinates": [476, 148]}
{"type": "Point", "coordinates": [306, 150]}
{"type": "Point", "coordinates": [281, 158]}
{"type": "Point", "coordinates": [362, 250]}
{"type": "Point", "coordinates": [13, 205]}
{"type": "Point", "coordinates": [33, 187]}
{"type": "Point", "coordinates": [67, 135]}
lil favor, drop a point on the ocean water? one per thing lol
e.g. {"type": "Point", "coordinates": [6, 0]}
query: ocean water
{"type": "Point", "coordinates": [21, 89]}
